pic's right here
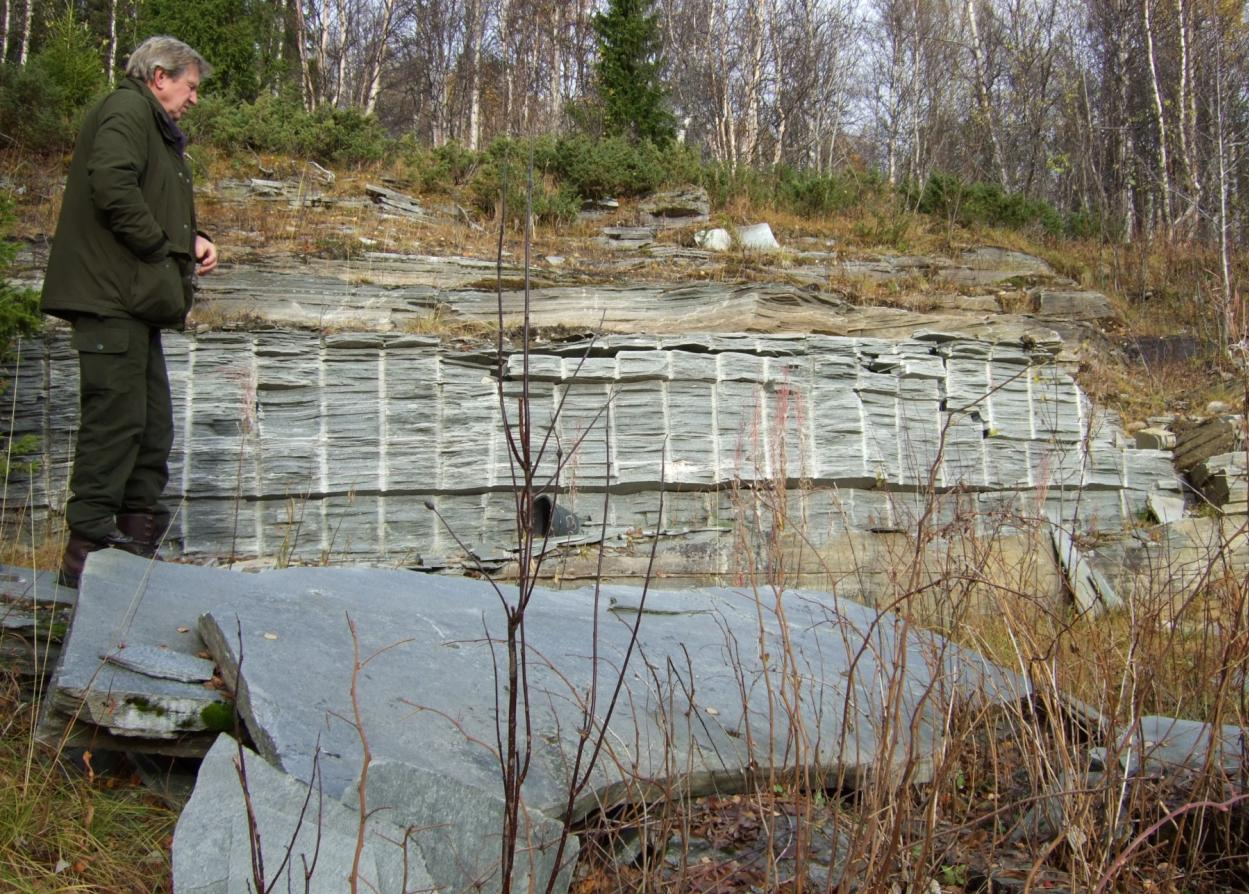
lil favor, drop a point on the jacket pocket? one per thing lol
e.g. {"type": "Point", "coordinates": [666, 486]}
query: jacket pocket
{"type": "Point", "coordinates": [156, 294]}
{"type": "Point", "coordinates": [96, 335]}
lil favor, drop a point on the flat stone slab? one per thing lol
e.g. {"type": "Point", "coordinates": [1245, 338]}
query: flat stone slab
{"type": "Point", "coordinates": [34, 617]}
{"type": "Point", "coordinates": [129, 607]}
{"type": "Point", "coordinates": [1159, 743]}
{"type": "Point", "coordinates": [305, 842]}
{"type": "Point", "coordinates": [1073, 304]}
{"type": "Point", "coordinates": [1167, 509]}
{"type": "Point", "coordinates": [699, 711]}
{"type": "Point", "coordinates": [1090, 589]}
{"type": "Point", "coordinates": [161, 663]}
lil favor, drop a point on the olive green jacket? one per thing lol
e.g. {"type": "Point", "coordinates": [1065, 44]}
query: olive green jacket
{"type": "Point", "coordinates": [125, 241]}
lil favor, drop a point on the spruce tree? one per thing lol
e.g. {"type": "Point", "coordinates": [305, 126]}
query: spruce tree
{"type": "Point", "coordinates": [633, 99]}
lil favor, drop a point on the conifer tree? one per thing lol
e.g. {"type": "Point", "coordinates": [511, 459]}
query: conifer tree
{"type": "Point", "coordinates": [633, 98]}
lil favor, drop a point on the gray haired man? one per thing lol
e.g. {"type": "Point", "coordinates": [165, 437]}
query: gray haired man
{"type": "Point", "coordinates": [121, 269]}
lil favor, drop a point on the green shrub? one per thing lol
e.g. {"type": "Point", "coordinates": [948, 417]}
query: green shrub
{"type": "Point", "coordinates": [985, 204]}
{"type": "Point", "coordinates": [19, 308]}
{"type": "Point", "coordinates": [447, 166]}
{"type": "Point", "coordinates": [812, 194]}
{"type": "Point", "coordinates": [280, 124]}
{"type": "Point", "coordinates": [504, 171]}
{"type": "Point", "coordinates": [42, 103]}
{"type": "Point", "coordinates": [726, 184]}
{"type": "Point", "coordinates": [615, 166]}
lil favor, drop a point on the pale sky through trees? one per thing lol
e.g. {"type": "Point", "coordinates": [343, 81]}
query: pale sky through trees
{"type": "Point", "coordinates": [1132, 111]}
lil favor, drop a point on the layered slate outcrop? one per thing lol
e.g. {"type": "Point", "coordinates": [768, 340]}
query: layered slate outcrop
{"type": "Point", "coordinates": [316, 446]}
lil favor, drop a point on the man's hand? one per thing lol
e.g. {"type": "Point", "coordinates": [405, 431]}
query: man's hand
{"type": "Point", "coordinates": [205, 255]}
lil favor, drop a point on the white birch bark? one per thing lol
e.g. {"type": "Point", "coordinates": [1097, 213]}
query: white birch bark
{"type": "Point", "coordinates": [340, 79]}
{"type": "Point", "coordinates": [110, 60]}
{"type": "Point", "coordinates": [377, 59]}
{"type": "Point", "coordinates": [754, 82]}
{"type": "Point", "coordinates": [23, 48]}
{"type": "Point", "coordinates": [474, 36]}
{"type": "Point", "coordinates": [1190, 182]}
{"type": "Point", "coordinates": [1162, 172]}
{"type": "Point", "coordinates": [983, 96]}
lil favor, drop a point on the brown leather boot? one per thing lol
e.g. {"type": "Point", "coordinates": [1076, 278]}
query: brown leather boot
{"type": "Point", "coordinates": [78, 547]}
{"type": "Point", "coordinates": [146, 529]}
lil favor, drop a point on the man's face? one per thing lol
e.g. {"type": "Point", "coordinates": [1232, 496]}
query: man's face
{"type": "Point", "coordinates": [176, 95]}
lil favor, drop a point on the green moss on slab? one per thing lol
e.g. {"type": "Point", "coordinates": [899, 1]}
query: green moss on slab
{"type": "Point", "coordinates": [145, 706]}
{"type": "Point", "coordinates": [218, 717]}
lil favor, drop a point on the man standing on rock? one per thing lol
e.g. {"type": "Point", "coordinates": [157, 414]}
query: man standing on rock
{"type": "Point", "coordinates": [122, 268]}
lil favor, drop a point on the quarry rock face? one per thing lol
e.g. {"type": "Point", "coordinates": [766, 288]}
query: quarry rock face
{"type": "Point", "coordinates": [314, 423]}
{"type": "Point", "coordinates": [327, 446]}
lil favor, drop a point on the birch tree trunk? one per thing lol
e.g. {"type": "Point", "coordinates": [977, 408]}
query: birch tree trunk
{"type": "Point", "coordinates": [1160, 121]}
{"type": "Point", "coordinates": [983, 95]}
{"type": "Point", "coordinates": [1190, 180]}
{"type": "Point", "coordinates": [110, 60]}
{"type": "Point", "coordinates": [556, 63]}
{"type": "Point", "coordinates": [23, 48]}
{"type": "Point", "coordinates": [509, 65]}
{"type": "Point", "coordinates": [473, 39]}
{"type": "Point", "coordinates": [377, 58]}
{"type": "Point", "coordinates": [754, 83]}
{"type": "Point", "coordinates": [307, 85]}
{"type": "Point", "coordinates": [782, 111]}
{"type": "Point", "coordinates": [6, 11]}
{"type": "Point", "coordinates": [1228, 324]}
{"type": "Point", "coordinates": [340, 80]}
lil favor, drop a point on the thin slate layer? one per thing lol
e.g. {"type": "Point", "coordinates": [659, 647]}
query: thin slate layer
{"type": "Point", "coordinates": [130, 606]}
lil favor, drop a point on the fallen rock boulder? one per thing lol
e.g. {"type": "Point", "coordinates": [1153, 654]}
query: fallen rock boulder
{"type": "Point", "coordinates": [1223, 482]}
{"type": "Point", "coordinates": [717, 239]}
{"type": "Point", "coordinates": [757, 237]}
{"type": "Point", "coordinates": [1223, 434]}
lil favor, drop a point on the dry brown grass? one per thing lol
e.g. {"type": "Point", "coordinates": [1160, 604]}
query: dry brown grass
{"type": "Point", "coordinates": [65, 829]}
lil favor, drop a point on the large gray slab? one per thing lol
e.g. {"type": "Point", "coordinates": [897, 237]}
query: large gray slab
{"type": "Point", "coordinates": [458, 829]}
{"type": "Point", "coordinates": [701, 708]}
{"type": "Point", "coordinates": [304, 841]}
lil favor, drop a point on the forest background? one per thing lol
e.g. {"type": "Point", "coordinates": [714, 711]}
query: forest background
{"type": "Point", "coordinates": [1121, 119]}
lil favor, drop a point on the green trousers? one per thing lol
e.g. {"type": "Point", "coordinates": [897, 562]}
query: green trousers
{"type": "Point", "coordinates": [121, 462]}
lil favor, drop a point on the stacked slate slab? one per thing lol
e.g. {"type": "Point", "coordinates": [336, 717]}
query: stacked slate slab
{"type": "Point", "coordinates": [314, 447]}
{"type": "Point", "coordinates": [34, 617]}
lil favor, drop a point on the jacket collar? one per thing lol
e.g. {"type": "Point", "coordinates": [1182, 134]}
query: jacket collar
{"type": "Point", "coordinates": [168, 127]}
